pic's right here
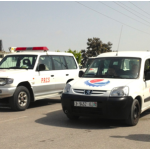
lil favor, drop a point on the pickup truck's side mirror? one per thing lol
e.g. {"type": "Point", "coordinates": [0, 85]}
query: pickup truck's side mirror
{"type": "Point", "coordinates": [41, 67]}
{"type": "Point", "coordinates": [81, 73]}
{"type": "Point", "coordinates": [147, 77]}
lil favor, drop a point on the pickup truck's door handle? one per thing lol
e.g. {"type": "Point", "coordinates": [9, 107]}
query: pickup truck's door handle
{"type": "Point", "coordinates": [52, 75]}
{"type": "Point", "coordinates": [67, 74]}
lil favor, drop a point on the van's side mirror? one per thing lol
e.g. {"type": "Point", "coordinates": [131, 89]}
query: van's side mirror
{"type": "Point", "coordinates": [81, 73]}
{"type": "Point", "coordinates": [41, 67]}
{"type": "Point", "coordinates": [147, 77]}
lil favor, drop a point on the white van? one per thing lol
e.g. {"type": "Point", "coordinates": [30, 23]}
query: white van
{"type": "Point", "coordinates": [34, 73]}
{"type": "Point", "coordinates": [119, 89]}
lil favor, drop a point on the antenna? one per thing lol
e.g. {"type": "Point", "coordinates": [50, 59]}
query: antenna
{"type": "Point", "coordinates": [119, 40]}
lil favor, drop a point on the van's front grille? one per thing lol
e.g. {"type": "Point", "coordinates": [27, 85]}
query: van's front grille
{"type": "Point", "coordinates": [92, 92]}
{"type": "Point", "coordinates": [78, 91]}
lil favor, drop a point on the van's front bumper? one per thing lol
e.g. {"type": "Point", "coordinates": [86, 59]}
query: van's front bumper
{"type": "Point", "coordinates": [107, 107]}
{"type": "Point", "coordinates": [6, 92]}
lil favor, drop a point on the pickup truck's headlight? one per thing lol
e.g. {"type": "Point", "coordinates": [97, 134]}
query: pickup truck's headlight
{"type": "Point", "coordinates": [4, 81]}
{"type": "Point", "coordinates": [120, 91]}
{"type": "Point", "coordinates": [67, 88]}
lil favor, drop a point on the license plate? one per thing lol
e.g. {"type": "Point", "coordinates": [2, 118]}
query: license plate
{"type": "Point", "coordinates": [85, 104]}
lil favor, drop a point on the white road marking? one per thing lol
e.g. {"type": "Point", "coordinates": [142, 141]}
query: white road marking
{"type": "Point", "coordinates": [13, 119]}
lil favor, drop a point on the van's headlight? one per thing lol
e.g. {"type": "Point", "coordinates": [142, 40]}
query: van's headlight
{"type": "Point", "coordinates": [4, 81]}
{"type": "Point", "coordinates": [67, 88]}
{"type": "Point", "coordinates": [120, 91]}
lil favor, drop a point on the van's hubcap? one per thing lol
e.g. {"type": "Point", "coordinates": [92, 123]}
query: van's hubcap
{"type": "Point", "coordinates": [22, 99]}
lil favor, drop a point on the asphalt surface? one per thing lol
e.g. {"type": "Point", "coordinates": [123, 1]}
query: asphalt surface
{"type": "Point", "coordinates": [45, 126]}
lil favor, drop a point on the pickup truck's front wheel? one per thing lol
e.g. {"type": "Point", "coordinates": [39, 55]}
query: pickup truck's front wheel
{"type": "Point", "coordinates": [21, 99]}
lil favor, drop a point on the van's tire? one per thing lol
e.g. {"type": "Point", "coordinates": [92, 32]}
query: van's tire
{"type": "Point", "coordinates": [20, 100]}
{"type": "Point", "coordinates": [72, 117]}
{"type": "Point", "coordinates": [134, 113]}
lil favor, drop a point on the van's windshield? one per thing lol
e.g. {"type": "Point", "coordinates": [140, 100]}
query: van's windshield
{"type": "Point", "coordinates": [18, 62]}
{"type": "Point", "coordinates": [88, 62]}
{"type": "Point", "coordinates": [112, 67]}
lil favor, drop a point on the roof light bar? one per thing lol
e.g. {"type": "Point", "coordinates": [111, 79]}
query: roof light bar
{"type": "Point", "coordinates": [31, 48]}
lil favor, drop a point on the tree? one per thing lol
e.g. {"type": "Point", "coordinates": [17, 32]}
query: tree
{"type": "Point", "coordinates": [57, 51]}
{"type": "Point", "coordinates": [95, 47]}
{"type": "Point", "coordinates": [76, 54]}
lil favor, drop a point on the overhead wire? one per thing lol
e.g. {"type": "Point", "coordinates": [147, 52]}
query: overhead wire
{"type": "Point", "coordinates": [111, 18]}
{"type": "Point", "coordinates": [139, 8]}
{"type": "Point", "coordinates": [124, 14]}
{"type": "Point", "coordinates": [132, 12]}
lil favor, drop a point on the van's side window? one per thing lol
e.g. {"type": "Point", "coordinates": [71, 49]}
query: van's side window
{"type": "Point", "coordinates": [70, 62]}
{"type": "Point", "coordinates": [147, 66]}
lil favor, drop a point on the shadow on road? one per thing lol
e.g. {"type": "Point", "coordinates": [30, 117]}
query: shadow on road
{"type": "Point", "coordinates": [4, 105]}
{"type": "Point", "coordinates": [44, 102]}
{"type": "Point", "coordinates": [136, 137]}
{"type": "Point", "coordinates": [145, 113]}
{"type": "Point", "coordinates": [59, 119]}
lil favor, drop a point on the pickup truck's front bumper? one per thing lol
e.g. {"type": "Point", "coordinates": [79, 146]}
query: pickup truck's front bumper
{"type": "Point", "coordinates": [6, 92]}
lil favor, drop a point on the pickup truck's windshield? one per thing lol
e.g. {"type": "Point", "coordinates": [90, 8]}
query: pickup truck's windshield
{"type": "Point", "coordinates": [18, 62]}
{"type": "Point", "coordinates": [112, 67]}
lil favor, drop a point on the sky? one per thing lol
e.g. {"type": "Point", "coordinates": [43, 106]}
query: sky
{"type": "Point", "coordinates": [63, 25]}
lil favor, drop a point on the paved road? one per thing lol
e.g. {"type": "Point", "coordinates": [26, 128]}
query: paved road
{"type": "Point", "coordinates": [45, 126]}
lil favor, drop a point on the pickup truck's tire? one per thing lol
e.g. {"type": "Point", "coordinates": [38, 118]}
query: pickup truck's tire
{"type": "Point", "coordinates": [134, 113]}
{"type": "Point", "coordinates": [21, 99]}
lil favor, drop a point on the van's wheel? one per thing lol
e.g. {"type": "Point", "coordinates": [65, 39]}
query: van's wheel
{"type": "Point", "coordinates": [72, 117]}
{"type": "Point", "coordinates": [134, 113]}
{"type": "Point", "coordinates": [21, 99]}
